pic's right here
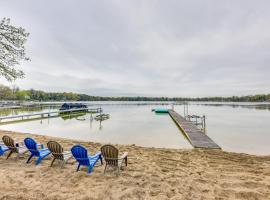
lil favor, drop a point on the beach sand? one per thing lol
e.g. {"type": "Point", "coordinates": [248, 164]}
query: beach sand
{"type": "Point", "coordinates": [151, 174]}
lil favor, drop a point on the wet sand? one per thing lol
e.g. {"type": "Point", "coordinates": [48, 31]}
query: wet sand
{"type": "Point", "coordinates": [151, 174]}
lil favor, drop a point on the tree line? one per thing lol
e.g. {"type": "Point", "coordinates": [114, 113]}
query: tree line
{"type": "Point", "coordinates": [14, 93]}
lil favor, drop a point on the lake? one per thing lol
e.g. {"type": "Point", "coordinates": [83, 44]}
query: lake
{"type": "Point", "coordinates": [237, 127]}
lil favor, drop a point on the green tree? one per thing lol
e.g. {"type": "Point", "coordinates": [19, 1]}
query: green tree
{"type": "Point", "coordinates": [22, 94]}
{"type": "Point", "coordinates": [12, 49]}
{"type": "Point", "coordinates": [5, 92]}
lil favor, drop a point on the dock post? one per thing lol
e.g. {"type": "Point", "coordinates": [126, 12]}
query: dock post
{"type": "Point", "coordinates": [184, 110]}
{"type": "Point", "coordinates": [204, 124]}
{"type": "Point", "coordinates": [187, 108]}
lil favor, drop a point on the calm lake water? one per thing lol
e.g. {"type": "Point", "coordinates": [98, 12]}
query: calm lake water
{"type": "Point", "coordinates": [235, 127]}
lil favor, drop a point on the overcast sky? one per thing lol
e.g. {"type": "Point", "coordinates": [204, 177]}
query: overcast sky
{"type": "Point", "coordinates": [148, 48]}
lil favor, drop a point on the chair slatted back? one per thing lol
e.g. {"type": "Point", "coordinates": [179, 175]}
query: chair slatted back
{"type": "Point", "coordinates": [9, 142]}
{"type": "Point", "coordinates": [31, 146]}
{"type": "Point", "coordinates": [56, 149]}
{"type": "Point", "coordinates": [80, 154]}
{"type": "Point", "coordinates": [110, 154]}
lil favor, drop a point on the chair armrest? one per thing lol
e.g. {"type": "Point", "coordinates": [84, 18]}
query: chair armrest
{"type": "Point", "coordinates": [67, 152]}
{"type": "Point", "coordinates": [22, 147]}
{"type": "Point", "coordinates": [19, 144]}
{"type": "Point", "coordinates": [96, 155]}
{"type": "Point", "coordinates": [41, 146]}
{"type": "Point", "coordinates": [125, 154]}
{"type": "Point", "coordinates": [45, 149]}
{"type": "Point", "coordinates": [119, 158]}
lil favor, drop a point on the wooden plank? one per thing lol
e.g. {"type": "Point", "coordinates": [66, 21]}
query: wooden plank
{"type": "Point", "coordinates": [196, 137]}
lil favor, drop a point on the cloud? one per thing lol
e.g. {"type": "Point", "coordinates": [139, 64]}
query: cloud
{"type": "Point", "coordinates": [149, 48]}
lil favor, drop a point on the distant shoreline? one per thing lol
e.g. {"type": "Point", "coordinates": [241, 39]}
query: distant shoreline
{"type": "Point", "coordinates": [11, 94]}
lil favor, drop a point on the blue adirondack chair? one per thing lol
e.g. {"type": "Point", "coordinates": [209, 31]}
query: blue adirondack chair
{"type": "Point", "coordinates": [32, 146]}
{"type": "Point", "coordinates": [3, 149]}
{"type": "Point", "coordinates": [81, 155]}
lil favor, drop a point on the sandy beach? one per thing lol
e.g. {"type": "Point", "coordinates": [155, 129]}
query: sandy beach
{"type": "Point", "coordinates": [151, 174]}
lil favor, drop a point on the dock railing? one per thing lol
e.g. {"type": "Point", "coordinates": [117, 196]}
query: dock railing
{"type": "Point", "coordinates": [199, 121]}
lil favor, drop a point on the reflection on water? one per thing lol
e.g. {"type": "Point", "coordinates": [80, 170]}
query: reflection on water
{"type": "Point", "coordinates": [6, 112]}
{"type": "Point", "coordinates": [258, 106]}
{"type": "Point", "coordinates": [238, 127]}
{"type": "Point", "coordinates": [78, 116]}
{"type": "Point", "coordinates": [128, 124]}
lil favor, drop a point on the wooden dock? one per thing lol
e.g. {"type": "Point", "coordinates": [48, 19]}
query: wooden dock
{"type": "Point", "coordinates": [196, 137]}
{"type": "Point", "coordinates": [47, 114]}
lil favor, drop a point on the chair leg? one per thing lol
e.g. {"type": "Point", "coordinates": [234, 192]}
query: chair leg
{"type": "Point", "coordinates": [52, 162]}
{"type": "Point", "coordinates": [105, 168]}
{"type": "Point", "coordinates": [118, 170]}
{"type": "Point", "coordinates": [30, 157]}
{"type": "Point", "coordinates": [90, 169]}
{"type": "Point", "coordinates": [126, 161]}
{"type": "Point", "coordinates": [78, 167]}
{"type": "Point", "coordinates": [39, 160]}
{"type": "Point", "coordinates": [63, 162]}
{"type": "Point", "coordinates": [9, 154]}
{"type": "Point", "coordinates": [18, 156]}
{"type": "Point", "coordinates": [100, 158]}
